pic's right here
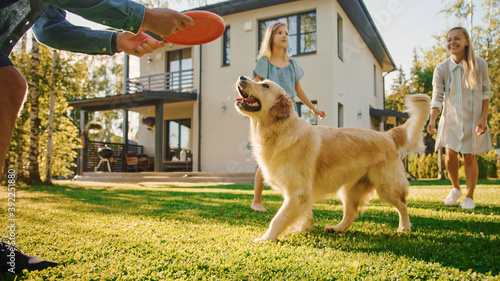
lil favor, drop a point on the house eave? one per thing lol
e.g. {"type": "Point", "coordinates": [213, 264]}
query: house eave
{"type": "Point", "coordinates": [362, 21]}
{"type": "Point", "coordinates": [140, 99]}
{"type": "Point", "coordinates": [237, 6]}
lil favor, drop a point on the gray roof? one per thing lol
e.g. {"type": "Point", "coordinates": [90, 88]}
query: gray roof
{"type": "Point", "coordinates": [355, 10]}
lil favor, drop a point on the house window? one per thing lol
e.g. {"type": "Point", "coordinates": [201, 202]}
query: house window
{"type": "Point", "coordinates": [226, 47]}
{"type": "Point", "coordinates": [340, 116]}
{"type": "Point", "coordinates": [178, 137]}
{"type": "Point", "coordinates": [306, 113]}
{"type": "Point", "coordinates": [340, 37]}
{"type": "Point", "coordinates": [301, 32]}
{"type": "Point", "coordinates": [375, 80]}
{"type": "Point", "coordinates": [179, 68]}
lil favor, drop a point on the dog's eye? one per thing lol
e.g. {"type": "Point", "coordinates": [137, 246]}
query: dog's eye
{"type": "Point", "coordinates": [265, 86]}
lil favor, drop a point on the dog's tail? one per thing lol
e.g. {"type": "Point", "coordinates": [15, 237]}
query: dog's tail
{"type": "Point", "coordinates": [409, 138]}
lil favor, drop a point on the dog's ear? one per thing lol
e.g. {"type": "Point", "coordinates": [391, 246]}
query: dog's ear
{"type": "Point", "coordinates": [281, 108]}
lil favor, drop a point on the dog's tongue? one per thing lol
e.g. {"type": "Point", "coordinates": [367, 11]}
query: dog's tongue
{"type": "Point", "coordinates": [246, 100]}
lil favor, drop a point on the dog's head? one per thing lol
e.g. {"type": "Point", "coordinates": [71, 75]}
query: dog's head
{"type": "Point", "coordinates": [262, 100]}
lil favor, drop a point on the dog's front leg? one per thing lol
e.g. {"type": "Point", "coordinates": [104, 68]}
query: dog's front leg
{"type": "Point", "coordinates": [293, 207]}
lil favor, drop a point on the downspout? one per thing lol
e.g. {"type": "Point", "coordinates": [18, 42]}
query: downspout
{"type": "Point", "coordinates": [384, 118]}
{"type": "Point", "coordinates": [199, 112]}
{"type": "Point", "coordinates": [383, 86]}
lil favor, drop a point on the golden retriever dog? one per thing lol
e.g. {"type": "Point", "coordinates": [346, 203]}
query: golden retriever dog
{"type": "Point", "coordinates": [307, 163]}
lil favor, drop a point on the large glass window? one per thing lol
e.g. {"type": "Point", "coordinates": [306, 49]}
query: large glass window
{"type": "Point", "coordinates": [306, 113]}
{"type": "Point", "coordinates": [301, 32]}
{"type": "Point", "coordinates": [178, 137]}
{"type": "Point", "coordinates": [226, 47]}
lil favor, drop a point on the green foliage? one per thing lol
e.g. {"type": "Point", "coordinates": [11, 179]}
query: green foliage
{"type": "Point", "coordinates": [77, 76]}
{"type": "Point", "coordinates": [424, 166]}
{"type": "Point", "coordinates": [487, 164]}
{"type": "Point", "coordinates": [68, 78]}
{"type": "Point", "coordinates": [160, 232]}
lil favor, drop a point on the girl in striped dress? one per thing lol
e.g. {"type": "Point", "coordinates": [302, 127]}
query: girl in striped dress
{"type": "Point", "coordinates": [461, 93]}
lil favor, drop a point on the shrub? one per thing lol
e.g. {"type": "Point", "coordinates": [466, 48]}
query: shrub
{"type": "Point", "coordinates": [424, 166]}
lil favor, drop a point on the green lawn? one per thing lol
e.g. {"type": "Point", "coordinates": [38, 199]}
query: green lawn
{"type": "Point", "coordinates": [154, 232]}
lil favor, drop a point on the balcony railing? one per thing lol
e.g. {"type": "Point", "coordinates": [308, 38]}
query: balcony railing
{"type": "Point", "coordinates": [179, 81]}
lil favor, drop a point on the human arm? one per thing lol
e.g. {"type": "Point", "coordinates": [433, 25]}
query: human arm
{"type": "Point", "coordinates": [437, 99]}
{"type": "Point", "coordinates": [127, 15]}
{"type": "Point", "coordinates": [54, 30]}
{"type": "Point", "coordinates": [305, 100]}
{"type": "Point", "coordinates": [483, 122]}
{"type": "Point", "coordinates": [431, 127]}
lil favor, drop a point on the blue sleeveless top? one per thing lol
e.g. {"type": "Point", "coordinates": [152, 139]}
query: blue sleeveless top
{"type": "Point", "coordinates": [286, 77]}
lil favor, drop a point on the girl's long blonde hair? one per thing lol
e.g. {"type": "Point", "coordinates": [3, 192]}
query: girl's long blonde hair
{"type": "Point", "coordinates": [470, 63]}
{"type": "Point", "coordinates": [266, 46]}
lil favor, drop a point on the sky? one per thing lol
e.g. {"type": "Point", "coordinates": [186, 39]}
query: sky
{"type": "Point", "coordinates": [403, 24]}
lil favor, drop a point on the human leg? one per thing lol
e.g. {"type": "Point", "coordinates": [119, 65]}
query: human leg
{"type": "Point", "coordinates": [471, 175]}
{"type": "Point", "coordinates": [452, 164]}
{"type": "Point", "coordinates": [257, 192]}
{"type": "Point", "coordinates": [12, 93]}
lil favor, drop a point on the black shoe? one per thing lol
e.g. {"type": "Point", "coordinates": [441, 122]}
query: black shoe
{"type": "Point", "coordinates": [14, 261]}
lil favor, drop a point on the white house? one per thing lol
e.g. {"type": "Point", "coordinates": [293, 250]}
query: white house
{"type": "Point", "coordinates": [334, 41]}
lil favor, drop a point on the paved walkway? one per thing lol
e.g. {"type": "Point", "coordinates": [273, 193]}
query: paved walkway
{"type": "Point", "coordinates": [182, 178]}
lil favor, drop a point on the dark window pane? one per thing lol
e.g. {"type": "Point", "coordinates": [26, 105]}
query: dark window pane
{"type": "Point", "coordinates": [301, 32]}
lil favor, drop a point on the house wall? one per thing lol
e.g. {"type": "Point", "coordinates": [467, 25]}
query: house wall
{"type": "Point", "coordinates": [328, 80]}
{"type": "Point", "coordinates": [353, 76]}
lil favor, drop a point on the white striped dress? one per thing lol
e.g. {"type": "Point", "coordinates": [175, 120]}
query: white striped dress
{"type": "Point", "coordinates": [462, 107]}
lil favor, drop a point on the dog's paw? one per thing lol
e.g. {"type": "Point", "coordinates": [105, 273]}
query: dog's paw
{"type": "Point", "coordinates": [262, 240]}
{"type": "Point", "coordinates": [331, 229]}
{"type": "Point", "coordinates": [403, 229]}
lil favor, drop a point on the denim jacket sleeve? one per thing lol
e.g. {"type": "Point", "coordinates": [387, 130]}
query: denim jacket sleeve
{"type": "Point", "coordinates": [52, 29]}
{"type": "Point", "coordinates": [121, 14]}
{"type": "Point", "coordinates": [16, 17]}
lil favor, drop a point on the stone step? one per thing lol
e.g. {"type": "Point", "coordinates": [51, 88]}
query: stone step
{"type": "Point", "coordinates": [170, 177]}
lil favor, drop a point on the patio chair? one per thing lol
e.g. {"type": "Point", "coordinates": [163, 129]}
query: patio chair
{"type": "Point", "coordinates": [137, 162]}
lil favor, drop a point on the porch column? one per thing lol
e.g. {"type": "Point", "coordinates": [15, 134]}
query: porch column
{"type": "Point", "coordinates": [159, 136]}
{"type": "Point", "coordinates": [125, 139]}
{"type": "Point", "coordinates": [82, 155]}
{"type": "Point", "coordinates": [382, 123]}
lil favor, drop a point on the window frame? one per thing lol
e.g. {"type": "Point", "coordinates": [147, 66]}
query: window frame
{"type": "Point", "coordinates": [226, 46]}
{"type": "Point", "coordinates": [340, 37]}
{"type": "Point", "coordinates": [299, 35]}
{"type": "Point", "coordinates": [340, 115]}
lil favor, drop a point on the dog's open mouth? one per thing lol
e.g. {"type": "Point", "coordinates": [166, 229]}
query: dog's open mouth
{"type": "Point", "coordinates": [247, 102]}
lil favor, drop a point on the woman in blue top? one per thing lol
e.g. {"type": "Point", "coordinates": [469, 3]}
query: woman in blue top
{"type": "Point", "coordinates": [275, 64]}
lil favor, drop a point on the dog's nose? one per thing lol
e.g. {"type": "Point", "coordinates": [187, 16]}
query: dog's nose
{"type": "Point", "coordinates": [243, 78]}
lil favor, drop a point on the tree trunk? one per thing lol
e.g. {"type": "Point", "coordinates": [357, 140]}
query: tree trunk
{"type": "Point", "coordinates": [440, 165]}
{"type": "Point", "coordinates": [34, 173]}
{"type": "Point", "coordinates": [48, 177]}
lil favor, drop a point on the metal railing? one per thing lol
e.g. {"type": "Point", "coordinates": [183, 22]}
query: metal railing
{"type": "Point", "coordinates": [91, 157]}
{"type": "Point", "coordinates": [179, 81]}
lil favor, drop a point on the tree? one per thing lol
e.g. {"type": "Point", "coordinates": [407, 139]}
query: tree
{"type": "Point", "coordinates": [399, 90]}
{"type": "Point", "coordinates": [34, 173]}
{"type": "Point", "coordinates": [69, 76]}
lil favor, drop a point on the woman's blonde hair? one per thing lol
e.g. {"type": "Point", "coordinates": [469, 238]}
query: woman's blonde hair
{"type": "Point", "coordinates": [470, 64]}
{"type": "Point", "coordinates": [266, 46]}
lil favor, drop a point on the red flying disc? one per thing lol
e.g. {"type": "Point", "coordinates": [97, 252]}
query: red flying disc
{"type": "Point", "coordinates": [208, 26]}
